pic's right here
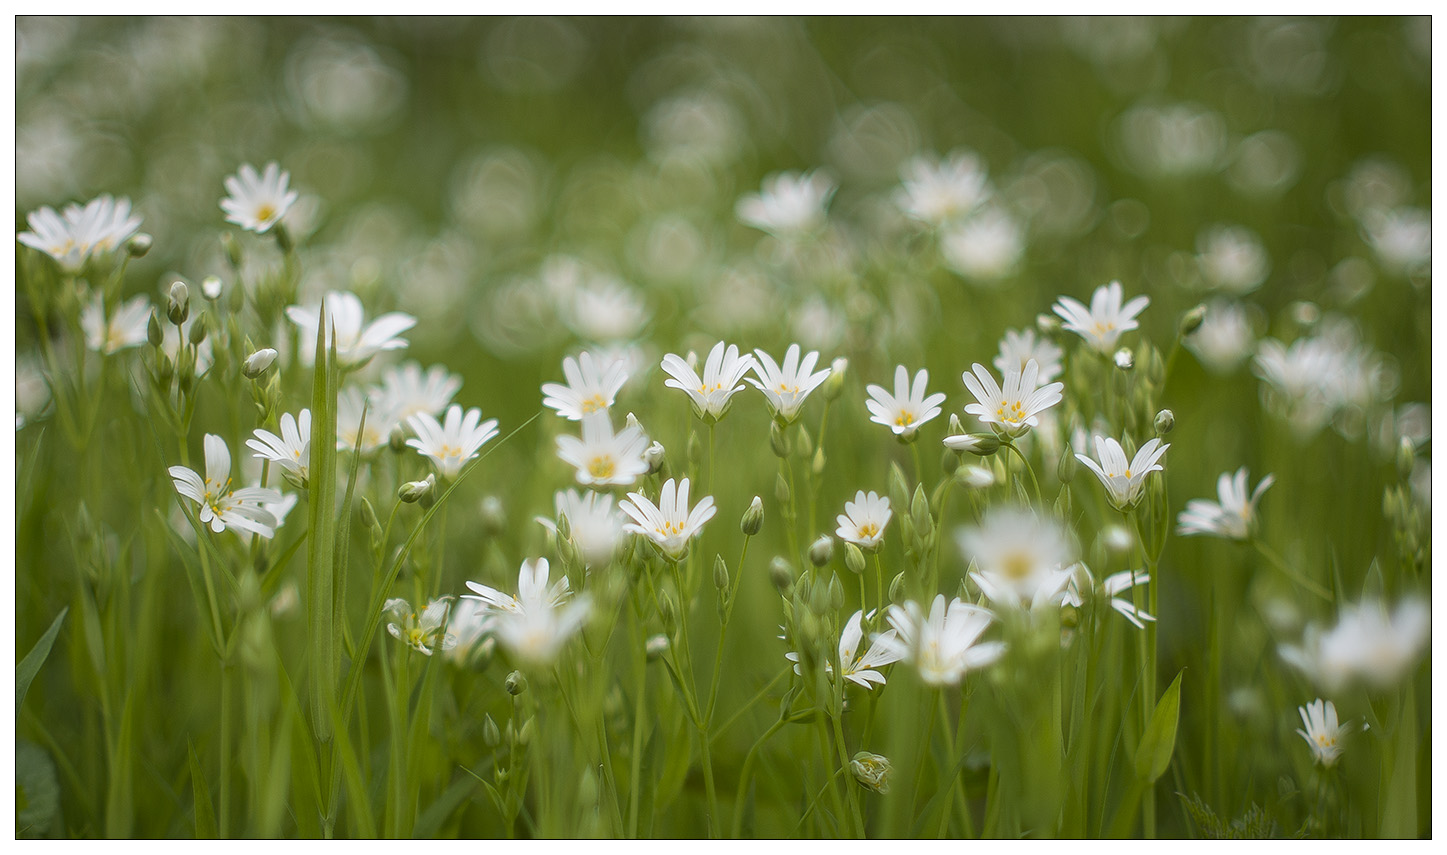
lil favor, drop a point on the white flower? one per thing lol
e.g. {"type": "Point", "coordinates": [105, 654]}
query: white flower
{"type": "Point", "coordinates": [722, 372]}
{"type": "Point", "coordinates": [1018, 348]}
{"type": "Point", "coordinates": [1114, 584]}
{"type": "Point", "coordinates": [1402, 239]}
{"type": "Point", "coordinates": [292, 450]}
{"type": "Point", "coordinates": [405, 391]}
{"type": "Point", "coordinates": [424, 633]}
{"type": "Point", "coordinates": [596, 527]}
{"type": "Point", "coordinates": [1223, 339]}
{"type": "Point", "coordinates": [592, 386]}
{"type": "Point", "coordinates": [1232, 259]}
{"type": "Point", "coordinates": [1124, 480]}
{"type": "Point", "coordinates": [908, 408]}
{"type": "Point", "coordinates": [669, 524]}
{"type": "Point", "coordinates": [864, 520]}
{"type": "Point", "coordinates": [221, 506]}
{"type": "Point", "coordinates": [257, 202]}
{"type": "Point", "coordinates": [943, 646]}
{"type": "Point", "coordinates": [859, 669]}
{"type": "Point", "coordinates": [1323, 733]}
{"type": "Point", "coordinates": [536, 623]}
{"type": "Point", "coordinates": [603, 310]}
{"type": "Point", "coordinates": [77, 233]}
{"type": "Point", "coordinates": [1232, 517]}
{"type": "Point", "coordinates": [453, 442]}
{"type": "Point", "coordinates": [1366, 644]}
{"type": "Point", "coordinates": [937, 192]}
{"type": "Point", "coordinates": [790, 204]}
{"type": "Point", "coordinates": [357, 341]}
{"type": "Point", "coordinates": [1102, 324]}
{"type": "Point", "coordinates": [1014, 409]}
{"type": "Point", "coordinates": [350, 404]}
{"type": "Point", "coordinates": [126, 327]}
{"type": "Point", "coordinates": [786, 387]}
{"type": "Point", "coordinates": [975, 475]}
{"type": "Point", "coordinates": [1020, 558]}
{"type": "Point", "coordinates": [987, 246]}
{"type": "Point", "coordinates": [603, 457]}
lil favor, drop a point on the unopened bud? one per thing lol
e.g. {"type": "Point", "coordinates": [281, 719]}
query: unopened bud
{"type": "Point", "coordinates": [197, 333]}
{"type": "Point", "coordinates": [153, 330]}
{"type": "Point", "coordinates": [416, 491]}
{"type": "Point", "coordinates": [178, 303]}
{"type": "Point", "coordinates": [667, 613]}
{"type": "Point", "coordinates": [781, 574]}
{"type": "Point", "coordinates": [1065, 469]}
{"type": "Point", "coordinates": [896, 588]}
{"type": "Point", "coordinates": [898, 491]}
{"type": "Point", "coordinates": [1124, 359]}
{"type": "Point", "coordinates": [781, 489]}
{"type": "Point", "coordinates": [821, 550]}
{"type": "Point", "coordinates": [397, 440]}
{"type": "Point", "coordinates": [1191, 321]}
{"type": "Point", "coordinates": [753, 518]}
{"type": "Point", "coordinates": [834, 383]}
{"type": "Point", "coordinates": [232, 249]}
{"type": "Point", "coordinates": [720, 573]}
{"type": "Point", "coordinates": [836, 594]}
{"type": "Point", "coordinates": [654, 456]}
{"type": "Point", "coordinates": [804, 446]}
{"type": "Point", "coordinates": [493, 516]}
{"type": "Point", "coordinates": [257, 363]}
{"type": "Point", "coordinates": [872, 771]}
{"type": "Point", "coordinates": [491, 736]}
{"type": "Point", "coordinates": [854, 558]}
{"type": "Point", "coordinates": [139, 245]}
{"type": "Point", "coordinates": [920, 514]}
{"type": "Point", "coordinates": [211, 287]}
{"type": "Point", "coordinates": [778, 443]}
{"type": "Point", "coordinates": [819, 461]}
{"type": "Point", "coordinates": [525, 735]}
{"type": "Point", "coordinates": [515, 683]}
{"type": "Point", "coordinates": [976, 476]}
{"type": "Point", "coordinates": [694, 448]}
{"type": "Point", "coordinates": [369, 516]}
{"type": "Point", "coordinates": [978, 444]}
{"type": "Point", "coordinates": [655, 647]}
{"type": "Point", "coordinates": [1165, 422]}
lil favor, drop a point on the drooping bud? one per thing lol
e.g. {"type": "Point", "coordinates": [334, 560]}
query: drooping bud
{"type": "Point", "coordinates": [178, 303]}
{"type": "Point", "coordinates": [821, 550]}
{"type": "Point", "coordinates": [1124, 359]}
{"type": "Point", "coordinates": [834, 383]}
{"type": "Point", "coordinates": [1165, 422]}
{"type": "Point", "coordinates": [257, 363]}
{"type": "Point", "coordinates": [978, 444]}
{"type": "Point", "coordinates": [1191, 321]}
{"type": "Point", "coordinates": [139, 245]}
{"type": "Point", "coordinates": [753, 518]}
{"type": "Point", "coordinates": [416, 491]}
{"type": "Point", "coordinates": [872, 771]}
{"type": "Point", "coordinates": [854, 558]}
{"type": "Point", "coordinates": [515, 683]}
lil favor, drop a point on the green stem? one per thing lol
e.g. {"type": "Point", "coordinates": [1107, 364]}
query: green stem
{"type": "Point", "coordinates": [1028, 468]}
{"type": "Point", "coordinates": [744, 775]}
{"type": "Point", "coordinates": [1277, 562]}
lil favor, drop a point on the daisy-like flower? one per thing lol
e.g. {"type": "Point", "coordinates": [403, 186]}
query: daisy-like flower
{"type": "Point", "coordinates": [221, 506]}
{"type": "Point", "coordinates": [722, 372]}
{"type": "Point", "coordinates": [1224, 338]}
{"type": "Point", "coordinates": [405, 391]}
{"type": "Point", "coordinates": [786, 387]}
{"type": "Point", "coordinates": [257, 202]}
{"type": "Point", "coordinates": [908, 408]}
{"type": "Point", "coordinates": [1323, 732]}
{"type": "Point", "coordinates": [670, 524]}
{"type": "Point", "coordinates": [860, 669]}
{"type": "Point", "coordinates": [351, 433]}
{"type": "Point", "coordinates": [1020, 558]}
{"type": "Point", "coordinates": [76, 234]}
{"type": "Point", "coordinates": [1231, 258]}
{"type": "Point", "coordinates": [1102, 324]}
{"type": "Point", "coordinates": [1018, 348]}
{"type": "Point", "coordinates": [423, 633]}
{"type": "Point", "coordinates": [789, 204]}
{"type": "Point", "coordinates": [1232, 517]}
{"type": "Point", "coordinates": [1015, 408]}
{"type": "Point", "coordinates": [864, 520]}
{"type": "Point", "coordinates": [357, 341]}
{"type": "Point", "coordinates": [1124, 479]}
{"type": "Point", "coordinates": [937, 192]}
{"type": "Point", "coordinates": [592, 386]}
{"type": "Point", "coordinates": [291, 451]}
{"type": "Point", "coordinates": [602, 457]}
{"type": "Point", "coordinates": [454, 441]}
{"type": "Point", "coordinates": [945, 644]}
{"type": "Point", "coordinates": [536, 623]}
{"type": "Point", "coordinates": [986, 247]}
{"type": "Point", "coordinates": [1110, 589]}
{"type": "Point", "coordinates": [596, 526]}
{"type": "Point", "coordinates": [1366, 645]}
{"type": "Point", "coordinates": [126, 327]}
{"type": "Point", "coordinates": [603, 310]}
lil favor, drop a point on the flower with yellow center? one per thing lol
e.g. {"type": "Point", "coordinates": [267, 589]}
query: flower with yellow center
{"type": "Point", "coordinates": [944, 645]}
{"type": "Point", "coordinates": [1012, 409]}
{"type": "Point", "coordinates": [670, 524]}
{"type": "Point", "coordinates": [712, 393]}
{"type": "Point", "coordinates": [1323, 733]}
{"type": "Point", "coordinates": [1124, 479]}
{"type": "Point", "coordinates": [864, 520]}
{"type": "Point", "coordinates": [1101, 325]}
{"type": "Point", "coordinates": [423, 633]}
{"type": "Point", "coordinates": [602, 457]}
{"type": "Point", "coordinates": [786, 386]}
{"type": "Point", "coordinates": [454, 442]}
{"type": "Point", "coordinates": [1232, 517]}
{"type": "Point", "coordinates": [592, 386]}
{"type": "Point", "coordinates": [257, 202]}
{"type": "Point", "coordinates": [292, 450]}
{"type": "Point", "coordinates": [909, 406]}
{"type": "Point", "coordinates": [126, 326]}
{"type": "Point", "coordinates": [222, 507]}
{"type": "Point", "coordinates": [1020, 558]}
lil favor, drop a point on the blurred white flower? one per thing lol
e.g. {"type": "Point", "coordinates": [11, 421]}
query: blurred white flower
{"type": "Point", "coordinates": [1021, 558]}
{"type": "Point", "coordinates": [1018, 348]}
{"type": "Point", "coordinates": [593, 386]}
{"type": "Point", "coordinates": [602, 457]}
{"type": "Point", "coordinates": [985, 247]}
{"type": "Point", "coordinates": [351, 433]}
{"type": "Point", "coordinates": [790, 204]}
{"type": "Point", "coordinates": [32, 390]}
{"type": "Point", "coordinates": [76, 234]}
{"type": "Point", "coordinates": [908, 408]}
{"type": "Point", "coordinates": [1102, 324]}
{"type": "Point", "coordinates": [221, 506]}
{"type": "Point", "coordinates": [1401, 239]}
{"type": "Point", "coordinates": [423, 633]}
{"type": "Point", "coordinates": [1173, 139]}
{"type": "Point", "coordinates": [603, 310]}
{"type": "Point", "coordinates": [786, 387]}
{"type": "Point", "coordinates": [452, 442]}
{"type": "Point", "coordinates": [357, 341]}
{"type": "Point", "coordinates": [940, 191]}
{"type": "Point", "coordinates": [292, 450]}
{"type": "Point", "coordinates": [1224, 338]}
{"type": "Point", "coordinates": [595, 526]}
{"type": "Point", "coordinates": [722, 372]}
{"type": "Point", "coordinates": [1124, 480]}
{"type": "Point", "coordinates": [1012, 410]}
{"type": "Point", "coordinates": [257, 202]}
{"type": "Point", "coordinates": [536, 624]}
{"type": "Point", "coordinates": [1323, 733]}
{"type": "Point", "coordinates": [943, 645]}
{"type": "Point", "coordinates": [1366, 645]}
{"type": "Point", "coordinates": [1233, 516]}
{"type": "Point", "coordinates": [126, 327]}
{"type": "Point", "coordinates": [670, 524]}
{"type": "Point", "coordinates": [405, 391]}
{"type": "Point", "coordinates": [1231, 258]}
{"type": "Point", "coordinates": [1117, 583]}
{"type": "Point", "coordinates": [864, 520]}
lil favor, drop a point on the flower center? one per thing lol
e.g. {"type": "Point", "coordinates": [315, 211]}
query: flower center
{"type": "Point", "coordinates": [904, 419]}
{"type": "Point", "coordinates": [1011, 411]}
{"type": "Point", "coordinates": [602, 466]}
{"type": "Point", "coordinates": [594, 404]}
{"type": "Point", "coordinates": [1017, 565]}
{"type": "Point", "coordinates": [868, 529]}
{"type": "Point", "coordinates": [265, 212]}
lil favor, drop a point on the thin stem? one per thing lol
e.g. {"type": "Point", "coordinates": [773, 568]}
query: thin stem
{"type": "Point", "coordinates": [1028, 468]}
{"type": "Point", "coordinates": [1277, 562]}
{"type": "Point", "coordinates": [744, 775]}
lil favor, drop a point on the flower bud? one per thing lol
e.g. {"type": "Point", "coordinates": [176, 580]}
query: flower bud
{"type": "Point", "coordinates": [197, 333]}
{"type": "Point", "coordinates": [694, 448]}
{"type": "Point", "coordinates": [257, 363]}
{"type": "Point", "coordinates": [139, 245]}
{"type": "Point", "coordinates": [397, 440]}
{"type": "Point", "coordinates": [753, 518]}
{"type": "Point", "coordinates": [896, 588]}
{"type": "Point", "coordinates": [232, 249]}
{"type": "Point", "coordinates": [781, 489]}
{"type": "Point", "coordinates": [854, 558]}
{"type": "Point", "coordinates": [781, 574]}
{"type": "Point", "coordinates": [515, 683]}
{"type": "Point", "coordinates": [804, 446]}
{"type": "Point", "coordinates": [667, 613]}
{"type": "Point", "coordinates": [1124, 359]}
{"type": "Point", "coordinates": [369, 516]}
{"type": "Point", "coordinates": [655, 647]}
{"type": "Point", "coordinates": [653, 456]}
{"type": "Point", "coordinates": [898, 492]}
{"type": "Point", "coordinates": [872, 771]}
{"type": "Point", "coordinates": [834, 383]}
{"type": "Point", "coordinates": [720, 573]}
{"type": "Point", "coordinates": [819, 460]}
{"type": "Point", "coordinates": [821, 550]}
{"type": "Point", "coordinates": [1165, 422]}
{"type": "Point", "coordinates": [491, 736]}
{"type": "Point", "coordinates": [1065, 469]}
{"type": "Point", "coordinates": [153, 330]}
{"type": "Point", "coordinates": [493, 516]}
{"type": "Point", "coordinates": [976, 476]}
{"type": "Point", "coordinates": [1191, 321]}
{"type": "Point", "coordinates": [778, 443]}
{"type": "Point", "coordinates": [416, 491]}
{"type": "Point", "coordinates": [978, 444]}
{"type": "Point", "coordinates": [525, 735]}
{"type": "Point", "coordinates": [211, 287]}
{"type": "Point", "coordinates": [836, 594]}
{"type": "Point", "coordinates": [564, 527]}
{"type": "Point", "coordinates": [919, 511]}
{"type": "Point", "coordinates": [178, 303]}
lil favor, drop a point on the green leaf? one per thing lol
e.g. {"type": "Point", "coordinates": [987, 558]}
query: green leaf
{"type": "Point", "coordinates": [430, 822]}
{"type": "Point", "coordinates": [30, 666]}
{"type": "Point", "coordinates": [321, 531]}
{"type": "Point", "coordinates": [201, 796]}
{"type": "Point", "coordinates": [37, 791]}
{"type": "Point", "coordinates": [1157, 744]}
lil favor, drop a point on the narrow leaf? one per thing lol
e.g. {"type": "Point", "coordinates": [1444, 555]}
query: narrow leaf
{"type": "Point", "coordinates": [201, 796]}
{"type": "Point", "coordinates": [1153, 754]}
{"type": "Point", "coordinates": [30, 666]}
